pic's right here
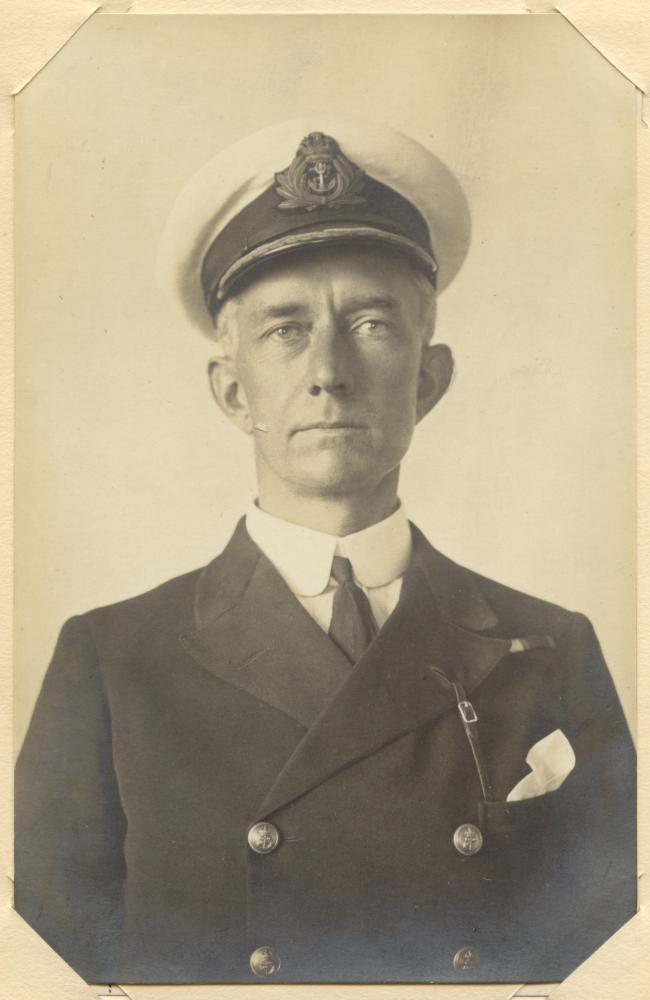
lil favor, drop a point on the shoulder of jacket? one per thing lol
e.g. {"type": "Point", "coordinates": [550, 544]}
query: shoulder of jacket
{"type": "Point", "coordinates": [168, 601]}
{"type": "Point", "coordinates": [521, 612]}
{"type": "Point", "coordinates": [166, 608]}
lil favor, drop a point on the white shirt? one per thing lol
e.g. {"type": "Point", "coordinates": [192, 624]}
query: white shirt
{"type": "Point", "coordinates": [303, 557]}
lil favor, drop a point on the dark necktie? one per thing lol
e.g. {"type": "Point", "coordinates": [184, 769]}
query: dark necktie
{"type": "Point", "coordinates": [353, 626]}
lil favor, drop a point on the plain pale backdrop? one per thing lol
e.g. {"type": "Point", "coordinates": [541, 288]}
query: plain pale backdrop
{"type": "Point", "coordinates": [127, 474]}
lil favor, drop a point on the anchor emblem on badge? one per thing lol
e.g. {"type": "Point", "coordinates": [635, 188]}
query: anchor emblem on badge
{"type": "Point", "coordinates": [320, 176]}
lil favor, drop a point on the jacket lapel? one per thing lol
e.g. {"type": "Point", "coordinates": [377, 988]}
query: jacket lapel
{"type": "Point", "coordinates": [253, 633]}
{"type": "Point", "coordinates": [402, 681]}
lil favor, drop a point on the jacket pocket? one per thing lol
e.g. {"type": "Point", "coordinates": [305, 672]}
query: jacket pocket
{"type": "Point", "coordinates": [531, 840]}
{"type": "Point", "coordinates": [510, 820]}
{"type": "Point", "coordinates": [525, 818]}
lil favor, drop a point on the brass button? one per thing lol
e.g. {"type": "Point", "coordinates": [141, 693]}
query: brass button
{"type": "Point", "coordinates": [263, 838]}
{"type": "Point", "coordinates": [265, 961]}
{"type": "Point", "coordinates": [466, 958]}
{"type": "Point", "coordinates": [468, 839]}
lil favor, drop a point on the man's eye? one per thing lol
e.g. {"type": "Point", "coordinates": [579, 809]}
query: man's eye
{"type": "Point", "coordinates": [285, 334]}
{"type": "Point", "coordinates": [371, 326]}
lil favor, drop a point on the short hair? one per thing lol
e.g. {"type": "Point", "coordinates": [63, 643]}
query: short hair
{"type": "Point", "coordinates": [226, 333]}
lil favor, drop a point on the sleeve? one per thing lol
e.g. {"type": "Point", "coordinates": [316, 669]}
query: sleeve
{"type": "Point", "coordinates": [69, 824]}
{"type": "Point", "coordinates": [601, 855]}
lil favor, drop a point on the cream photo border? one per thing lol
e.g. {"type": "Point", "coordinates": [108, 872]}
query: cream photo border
{"type": "Point", "coordinates": [33, 31]}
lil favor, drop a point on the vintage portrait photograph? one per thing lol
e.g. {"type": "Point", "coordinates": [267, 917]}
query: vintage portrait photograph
{"type": "Point", "coordinates": [325, 489]}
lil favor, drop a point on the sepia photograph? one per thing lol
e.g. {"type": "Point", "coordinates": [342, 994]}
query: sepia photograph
{"type": "Point", "coordinates": [325, 487]}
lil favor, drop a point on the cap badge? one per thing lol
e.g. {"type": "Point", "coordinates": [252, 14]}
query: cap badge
{"type": "Point", "coordinates": [319, 176]}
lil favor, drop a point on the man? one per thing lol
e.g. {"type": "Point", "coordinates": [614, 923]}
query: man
{"type": "Point", "coordinates": [333, 754]}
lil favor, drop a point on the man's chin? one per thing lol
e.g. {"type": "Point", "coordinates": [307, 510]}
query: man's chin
{"type": "Point", "coordinates": [332, 476]}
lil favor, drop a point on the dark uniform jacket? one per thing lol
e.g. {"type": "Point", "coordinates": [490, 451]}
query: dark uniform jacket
{"type": "Point", "coordinates": [169, 724]}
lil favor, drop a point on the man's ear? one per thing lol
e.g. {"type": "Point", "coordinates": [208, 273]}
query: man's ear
{"type": "Point", "coordinates": [229, 393]}
{"type": "Point", "coordinates": [436, 370]}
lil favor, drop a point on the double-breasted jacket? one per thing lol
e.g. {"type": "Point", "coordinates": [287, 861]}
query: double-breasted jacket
{"type": "Point", "coordinates": [171, 724]}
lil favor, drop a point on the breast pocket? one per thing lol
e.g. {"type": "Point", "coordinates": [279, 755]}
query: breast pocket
{"type": "Point", "coordinates": [531, 841]}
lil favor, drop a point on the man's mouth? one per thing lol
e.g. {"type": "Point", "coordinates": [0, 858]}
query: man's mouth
{"type": "Point", "coordinates": [330, 426]}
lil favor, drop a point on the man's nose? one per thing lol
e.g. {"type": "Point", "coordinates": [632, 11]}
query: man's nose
{"type": "Point", "coordinates": [330, 364]}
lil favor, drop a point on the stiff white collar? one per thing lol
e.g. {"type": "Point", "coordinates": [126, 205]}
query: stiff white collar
{"type": "Point", "coordinates": [303, 557]}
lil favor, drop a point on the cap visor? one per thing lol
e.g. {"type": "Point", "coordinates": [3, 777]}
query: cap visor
{"type": "Point", "coordinates": [321, 237]}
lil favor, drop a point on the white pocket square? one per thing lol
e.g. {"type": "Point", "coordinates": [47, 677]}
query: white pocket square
{"type": "Point", "coordinates": [551, 760]}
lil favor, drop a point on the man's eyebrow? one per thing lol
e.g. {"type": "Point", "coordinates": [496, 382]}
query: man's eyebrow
{"type": "Point", "coordinates": [372, 302]}
{"type": "Point", "coordinates": [279, 310]}
{"type": "Point", "coordinates": [353, 304]}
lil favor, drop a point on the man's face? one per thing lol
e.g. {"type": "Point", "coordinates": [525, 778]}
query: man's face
{"type": "Point", "coordinates": [331, 371]}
